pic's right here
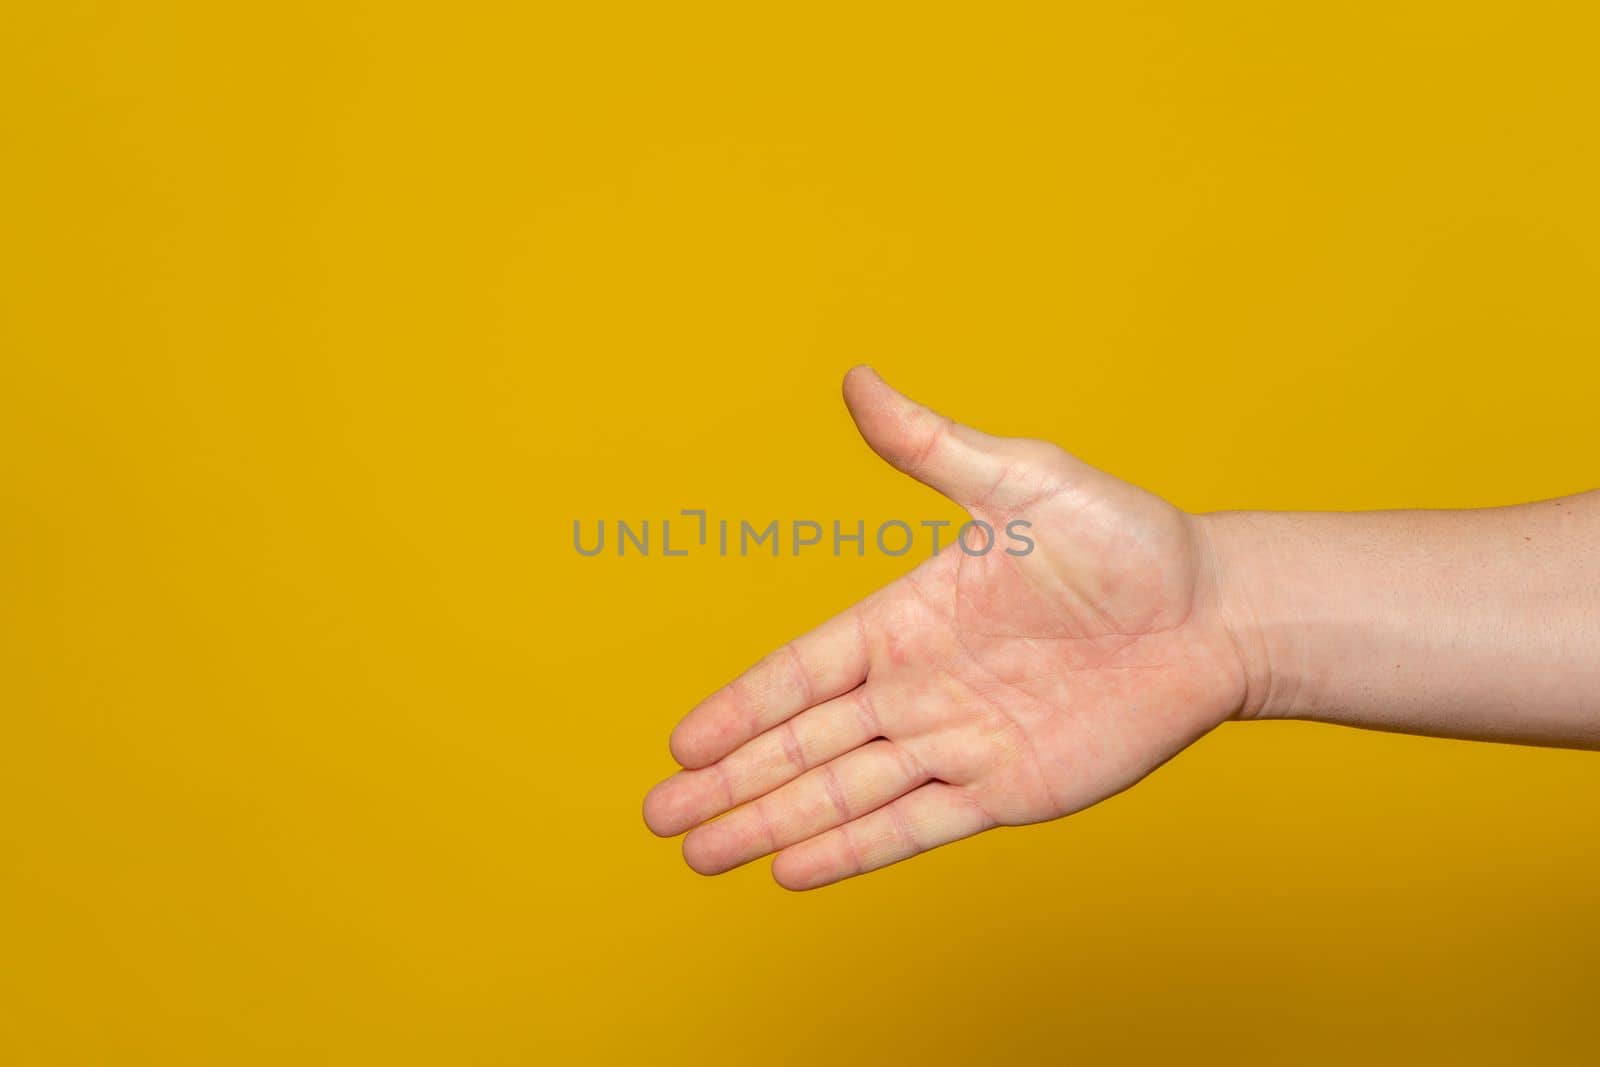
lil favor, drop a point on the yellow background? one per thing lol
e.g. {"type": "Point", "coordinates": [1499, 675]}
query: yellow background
{"type": "Point", "coordinates": [321, 323]}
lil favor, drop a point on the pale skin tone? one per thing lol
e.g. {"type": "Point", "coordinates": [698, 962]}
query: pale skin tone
{"type": "Point", "coordinates": [999, 690]}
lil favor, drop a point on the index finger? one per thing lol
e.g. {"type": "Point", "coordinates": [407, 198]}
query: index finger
{"type": "Point", "coordinates": [820, 665]}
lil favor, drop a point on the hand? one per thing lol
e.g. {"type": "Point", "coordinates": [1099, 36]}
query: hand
{"type": "Point", "coordinates": [976, 691]}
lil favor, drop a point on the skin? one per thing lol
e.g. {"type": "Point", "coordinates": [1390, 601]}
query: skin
{"type": "Point", "coordinates": [981, 691]}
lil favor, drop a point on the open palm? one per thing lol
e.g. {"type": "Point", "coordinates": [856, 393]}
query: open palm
{"type": "Point", "coordinates": [977, 690]}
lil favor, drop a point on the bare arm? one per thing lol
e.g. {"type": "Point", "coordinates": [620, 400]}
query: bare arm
{"type": "Point", "coordinates": [1002, 690]}
{"type": "Point", "coordinates": [1475, 624]}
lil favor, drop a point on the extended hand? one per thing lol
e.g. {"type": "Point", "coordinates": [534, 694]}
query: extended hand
{"type": "Point", "coordinates": [976, 691]}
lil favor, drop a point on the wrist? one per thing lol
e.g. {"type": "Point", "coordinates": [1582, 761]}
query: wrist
{"type": "Point", "coordinates": [1248, 554]}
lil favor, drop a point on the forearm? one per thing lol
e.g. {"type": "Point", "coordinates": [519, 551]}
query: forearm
{"type": "Point", "coordinates": [1478, 624]}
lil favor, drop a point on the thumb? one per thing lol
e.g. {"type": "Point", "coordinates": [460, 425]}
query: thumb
{"type": "Point", "coordinates": [964, 464]}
